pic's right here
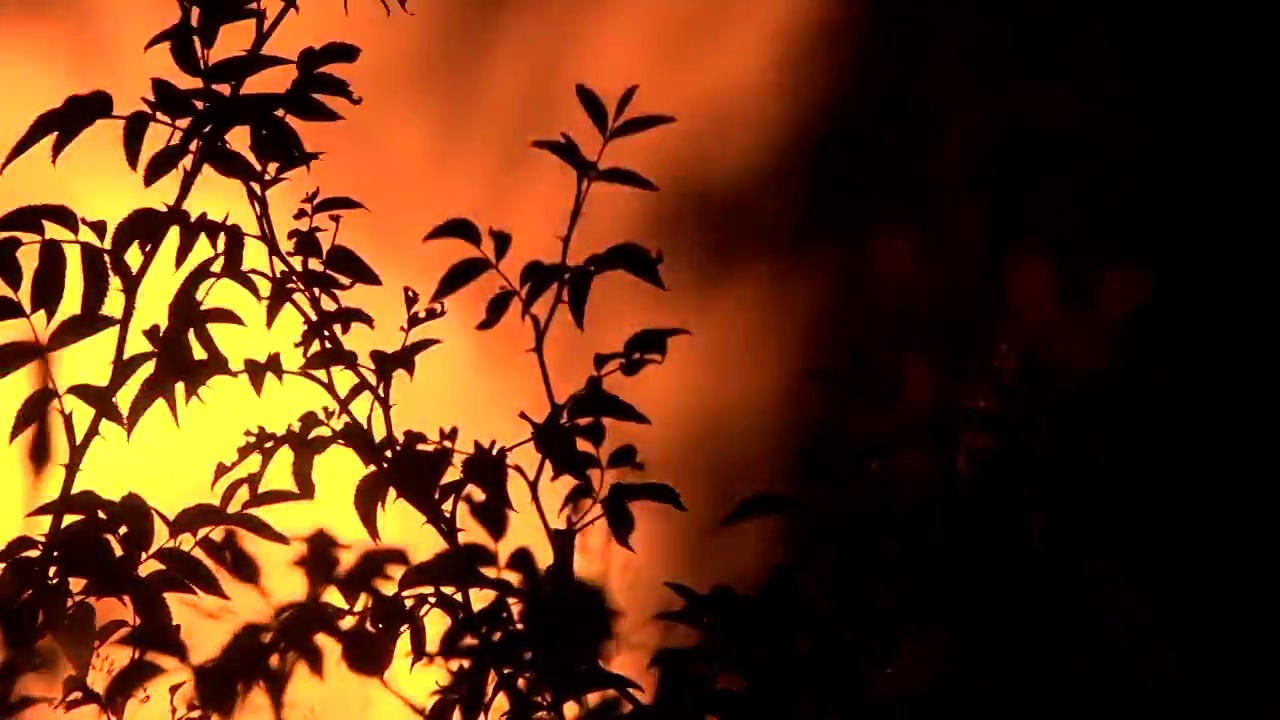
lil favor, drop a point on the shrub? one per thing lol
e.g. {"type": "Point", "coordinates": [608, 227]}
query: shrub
{"type": "Point", "coordinates": [519, 635]}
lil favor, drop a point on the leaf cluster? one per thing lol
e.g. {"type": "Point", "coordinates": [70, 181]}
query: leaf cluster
{"type": "Point", "coordinates": [531, 637]}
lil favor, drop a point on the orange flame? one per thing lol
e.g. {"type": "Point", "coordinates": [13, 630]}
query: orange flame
{"type": "Point", "coordinates": [453, 96]}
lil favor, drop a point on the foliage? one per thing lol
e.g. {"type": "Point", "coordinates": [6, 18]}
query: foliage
{"type": "Point", "coordinates": [530, 636]}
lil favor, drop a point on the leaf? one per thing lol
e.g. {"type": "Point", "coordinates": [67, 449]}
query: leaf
{"type": "Point", "coordinates": [49, 280]}
{"type": "Point", "coordinates": [17, 547]}
{"type": "Point", "coordinates": [460, 228]}
{"type": "Point", "coordinates": [164, 161]}
{"type": "Point", "coordinates": [621, 521]}
{"type": "Point", "coordinates": [77, 328]}
{"type": "Point", "coordinates": [336, 204]}
{"type": "Point", "coordinates": [33, 408]}
{"type": "Point", "coordinates": [501, 244]}
{"type": "Point", "coordinates": [309, 108]}
{"type": "Point", "coordinates": [624, 101]}
{"type": "Point", "coordinates": [230, 164]}
{"type": "Point", "coordinates": [651, 341]}
{"type": "Point", "coordinates": [75, 115]}
{"type": "Point", "coordinates": [568, 153]}
{"type": "Point", "coordinates": [494, 310]}
{"type": "Point", "coordinates": [195, 518]}
{"type": "Point", "coordinates": [344, 261]}
{"type": "Point", "coordinates": [172, 100]}
{"type": "Point", "coordinates": [128, 681]}
{"type": "Point", "coordinates": [96, 279]}
{"type": "Point", "coordinates": [220, 316]}
{"type": "Point", "coordinates": [31, 219]}
{"type": "Point", "coordinates": [257, 526]}
{"type": "Point", "coordinates": [371, 492]}
{"type": "Point", "coordinates": [238, 68]}
{"type": "Point", "coordinates": [638, 124]}
{"type": "Point", "coordinates": [594, 107]}
{"type": "Point", "coordinates": [189, 568]}
{"type": "Point", "coordinates": [627, 178]}
{"type": "Point", "coordinates": [100, 399]}
{"type": "Point", "coordinates": [10, 266]}
{"type": "Point", "coordinates": [596, 402]}
{"type": "Point", "coordinates": [331, 357]}
{"type": "Point", "coordinates": [458, 276]}
{"type": "Point", "coordinates": [16, 355]}
{"type": "Point", "coordinates": [312, 58]}
{"type": "Point", "coordinates": [578, 291]}
{"type": "Point", "coordinates": [453, 567]}
{"type": "Point", "coordinates": [624, 456]}
{"type": "Point", "coordinates": [580, 492]}
{"type": "Point", "coordinates": [11, 309]}
{"type": "Point", "coordinates": [759, 505]}
{"type": "Point", "coordinates": [136, 125]}
{"type": "Point", "coordinates": [654, 492]}
{"type": "Point", "coordinates": [632, 258]}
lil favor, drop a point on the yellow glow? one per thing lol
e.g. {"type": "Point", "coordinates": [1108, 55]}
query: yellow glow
{"type": "Point", "coordinates": [452, 97]}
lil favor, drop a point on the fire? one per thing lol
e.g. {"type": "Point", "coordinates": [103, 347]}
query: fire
{"type": "Point", "coordinates": [452, 97]}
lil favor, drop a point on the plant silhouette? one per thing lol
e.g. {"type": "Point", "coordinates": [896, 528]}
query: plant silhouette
{"type": "Point", "coordinates": [521, 637]}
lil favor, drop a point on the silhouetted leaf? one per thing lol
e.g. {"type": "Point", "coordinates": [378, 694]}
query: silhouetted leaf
{"type": "Point", "coordinates": [257, 526]}
{"type": "Point", "coordinates": [581, 492]}
{"type": "Point", "coordinates": [75, 115]}
{"type": "Point", "coordinates": [460, 228]}
{"type": "Point", "coordinates": [579, 290]}
{"type": "Point", "coordinates": [16, 355]}
{"type": "Point", "coordinates": [32, 409]}
{"type": "Point", "coordinates": [136, 125]}
{"type": "Point", "coordinates": [621, 521]}
{"type": "Point", "coordinates": [100, 399]}
{"type": "Point", "coordinates": [310, 108]}
{"type": "Point", "coordinates": [371, 492]}
{"type": "Point", "coordinates": [458, 276]}
{"type": "Point", "coordinates": [568, 152]}
{"type": "Point", "coordinates": [128, 681]}
{"type": "Point", "coordinates": [10, 266]}
{"type": "Point", "coordinates": [633, 259]}
{"type": "Point", "coordinates": [594, 107]}
{"type": "Point", "coordinates": [79, 327]}
{"type": "Point", "coordinates": [11, 309]}
{"type": "Point", "coordinates": [344, 261]}
{"type": "Point", "coordinates": [313, 58]}
{"type": "Point", "coordinates": [18, 546]}
{"type": "Point", "coordinates": [624, 101]}
{"type": "Point", "coordinates": [192, 570]}
{"type": "Point", "coordinates": [49, 280]}
{"type": "Point", "coordinates": [331, 357]}
{"type": "Point", "coordinates": [195, 518]}
{"type": "Point", "coordinates": [96, 280]}
{"type": "Point", "coordinates": [501, 240]}
{"type": "Point", "coordinates": [80, 502]}
{"type": "Point", "coordinates": [624, 456]}
{"type": "Point", "coordinates": [638, 124]}
{"type": "Point", "coordinates": [230, 164]}
{"type": "Point", "coordinates": [759, 505]}
{"type": "Point", "coordinates": [654, 492]}
{"type": "Point", "coordinates": [31, 219]}
{"type": "Point", "coordinates": [238, 68]}
{"type": "Point", "coordinates": [138, 521]}
{"type": "Point", "coordinates": [171, 100]}
{"type": "Point", "coordinates": [453, 567]}
{"type": "Point", "coordinates": [494, 310]}
{"type": "Point", "coordinates": [337, 204]}
{"type": "Point", "coordinates": [220, 316]}
{"type": "Point", "coordinates": [596, 402]}
{"type": "Point", "coordinates": [627, 178]}
{"type": "Point", "coordinates": [164, 161]}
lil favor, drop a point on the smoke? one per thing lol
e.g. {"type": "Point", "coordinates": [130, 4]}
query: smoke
{"type": "Point", "coordinates": [453, 95]}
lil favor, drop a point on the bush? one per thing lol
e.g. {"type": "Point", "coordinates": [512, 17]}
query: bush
{"type": "Point", "coordinates": [519, 635]}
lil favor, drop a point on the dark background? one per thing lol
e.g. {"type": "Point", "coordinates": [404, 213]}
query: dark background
{"type": "Point", "coordinates": [1009, 515]}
